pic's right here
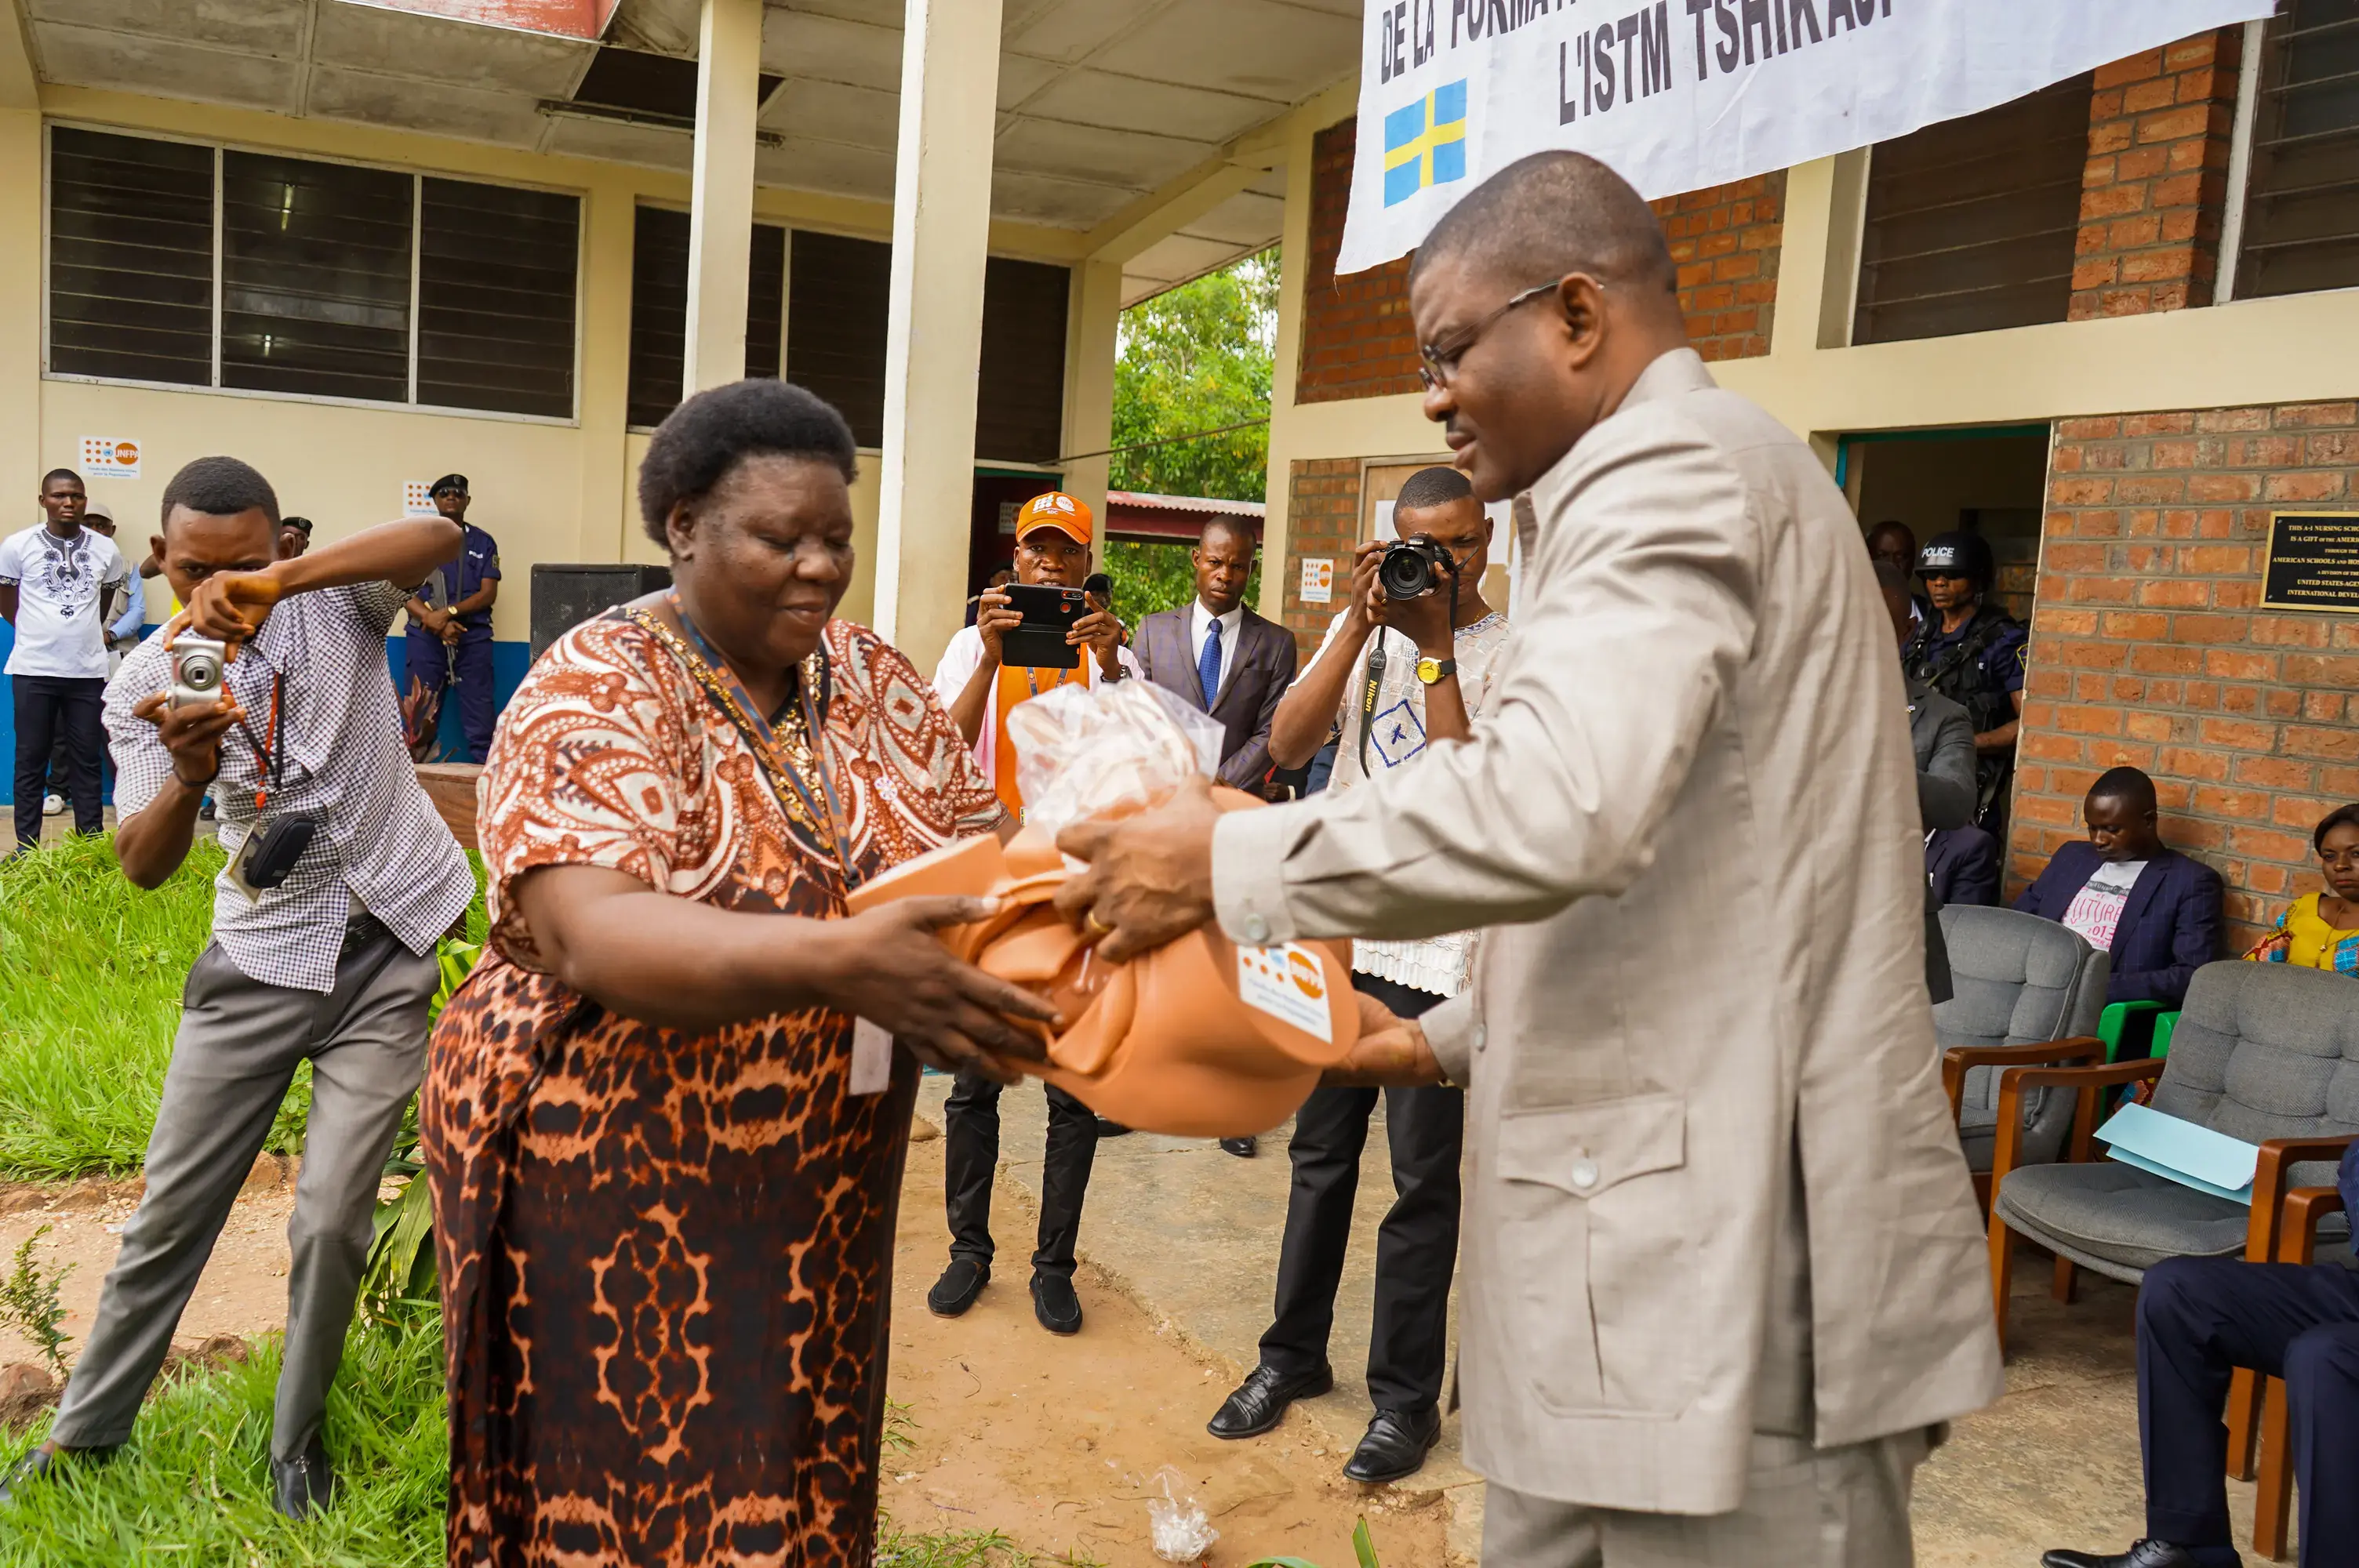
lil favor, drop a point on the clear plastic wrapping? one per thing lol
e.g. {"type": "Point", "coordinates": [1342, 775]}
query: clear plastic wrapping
{"type": "Point", "coordinates": [1176, 1525]}
{"type": "Point", "coordinates": [1083, 749]}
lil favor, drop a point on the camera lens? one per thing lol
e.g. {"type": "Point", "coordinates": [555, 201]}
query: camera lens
{"type": "Point", "coordinates": [200, 672]}
{"type": "Point", "coordinates": [1406, 570]}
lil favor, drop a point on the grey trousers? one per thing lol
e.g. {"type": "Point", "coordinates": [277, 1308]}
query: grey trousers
{"type": "Point", "coordinates": [239, 1043]}
{"type": "Point", "coordinates": [1804, 1507]}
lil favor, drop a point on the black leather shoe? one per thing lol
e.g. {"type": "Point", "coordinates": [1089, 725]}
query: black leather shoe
{"type": "Point", "coordinates": [1107, 1129]}
{"type": "Point", "coordinates": [956, 1290]}
{"type": "Point", "coordinates": [1243, 1148]}
{"type": "Point", "coordinates": [2141, 1554]}
{"type": "Point", "coordinates": [25, 1472]}
{"type": "Point", "coordinates": [304, 1485]}
{"type": "Point", "coordinates": [1396, 1445]}
{"type": "Point", "coordinates": [1055, 1304]}
{"type": "Point", "coordinates": [1260, 1401]}
{"type": "Point", "coordinates": [32, 1466]}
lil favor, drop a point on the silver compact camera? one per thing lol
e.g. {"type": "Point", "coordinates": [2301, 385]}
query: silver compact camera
{"type": "Point", "coordinates": [197, 665]}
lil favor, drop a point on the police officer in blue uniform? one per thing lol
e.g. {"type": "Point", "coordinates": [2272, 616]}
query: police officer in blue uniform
{"type": "Point", "coordinates": [1974, 652]}
{"type": "Point", "coordinates": [451, 621]}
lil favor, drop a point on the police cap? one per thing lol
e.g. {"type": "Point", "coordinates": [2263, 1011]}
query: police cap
{"type": "Point", "coordinates": [457, 481]}
{"type": "Point", "coordinates": [1956, 554]}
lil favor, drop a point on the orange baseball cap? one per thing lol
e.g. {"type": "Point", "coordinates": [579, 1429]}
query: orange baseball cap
{"type": "Point", "coordinates": [1065, 514]}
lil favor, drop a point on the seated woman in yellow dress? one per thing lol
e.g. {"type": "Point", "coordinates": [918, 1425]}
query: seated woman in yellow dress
{"type": "Point", "coordinates": [2321, 930]}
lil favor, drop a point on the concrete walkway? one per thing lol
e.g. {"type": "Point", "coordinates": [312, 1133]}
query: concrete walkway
{"type": "Point", "coordinates": [1192, 1234]}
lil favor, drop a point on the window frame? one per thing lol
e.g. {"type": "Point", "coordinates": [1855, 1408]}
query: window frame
{"type": "Point", "coordinates": [418, 174]}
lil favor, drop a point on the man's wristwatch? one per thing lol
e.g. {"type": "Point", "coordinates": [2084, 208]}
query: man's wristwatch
{"type": "Point", "coordinates": [1430, 670]}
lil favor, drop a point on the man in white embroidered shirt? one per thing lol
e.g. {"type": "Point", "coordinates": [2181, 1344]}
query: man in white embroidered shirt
{"type": "Point", "coordinates": [333, 965]}
{"type": "Point", "coordinates": [1391, 676]}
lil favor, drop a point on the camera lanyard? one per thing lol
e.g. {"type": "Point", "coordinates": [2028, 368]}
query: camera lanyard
{"type": "Point", "coordinates": [1376, 677]}
{"type": "Point", "coordinates": [820, 810]}
{"type": "Point", "coordinates": [270, 752]}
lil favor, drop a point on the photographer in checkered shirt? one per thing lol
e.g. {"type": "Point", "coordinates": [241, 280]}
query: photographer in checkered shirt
{"type": "Point", "coordinates": [342, 878]}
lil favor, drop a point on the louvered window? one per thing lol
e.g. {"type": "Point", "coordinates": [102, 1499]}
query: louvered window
{"type": "Point", "coordinates": [1020, 409]}
{"type": "Point", "coordinates": [1970, 224]}
{"type": "Point", "coordinates": [2302, 202]}
{"type": "Point", "coordinates": [334, 280]}
{"type": "Point", "coordinates": [495, 298]}
{"type": "Point", "coordinates": [660, 310]}
{"type": "Point", "coordinates": [315, 277]}
{"type": "Point", "coordinates": [839, 295]}
{"type": "Point", "coordinates": [131, 258]}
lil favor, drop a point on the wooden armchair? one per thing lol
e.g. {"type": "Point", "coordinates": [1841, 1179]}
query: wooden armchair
{"type": "Point", "coordinates": [1957, 1059]}
{"type": "Point", "coordinates": [2273, 1501]}
{"type": "Point", "coordinates": [2084, 1085]}
{"type": "Point", "coordinates": [2284, 1230]}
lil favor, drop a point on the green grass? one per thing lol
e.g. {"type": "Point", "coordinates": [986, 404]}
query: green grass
{"type": "Point", "coordinates": [194, 1485]}
{"type": "Point", "coordinates": [90, 974]}
{"type": "Point", "coordinates": [91, 971]}
{"type": "Point", "coordinates": [192, 1489]}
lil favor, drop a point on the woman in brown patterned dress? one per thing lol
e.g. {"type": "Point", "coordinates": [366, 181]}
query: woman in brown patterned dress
{"type": "Point", "coordinates": [666, 1161]}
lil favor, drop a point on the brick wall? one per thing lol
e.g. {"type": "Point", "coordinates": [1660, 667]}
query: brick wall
{"type": "Point", "coordinates": [2149, 647]}
{"type": "Point", "coordinates": [1323, 519]}
{"type": "Point", "coordinates": [1356, 337]}
{"type": "Point", "coordinates": [1725, 243]}
{"type": "Point", "coordinates": [2156, 185]}
{"type": "Point", "coordinates": [1358, 340]}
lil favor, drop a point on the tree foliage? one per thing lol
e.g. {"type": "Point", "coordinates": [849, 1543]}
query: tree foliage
{"type": "Point", "coordinates": [1198, 358]}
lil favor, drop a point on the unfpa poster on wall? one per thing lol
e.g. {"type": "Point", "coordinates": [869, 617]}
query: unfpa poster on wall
{"type": "Point", "coordinates": [1676, 95]}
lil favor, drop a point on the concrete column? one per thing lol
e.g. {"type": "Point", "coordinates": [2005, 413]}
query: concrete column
{"type": "Point", "coordinates": [608, 515]}
{"type": "Point", "coordinates": [1285, 436]}
{"type": "Point", "coordinates": [942, 222]}
{"type": "Point", "coordinates": [720, 216]}
{"type": "Point", "coordinates": [1089, 382]}
{"type": "Point", "coordinates": [20, 253]}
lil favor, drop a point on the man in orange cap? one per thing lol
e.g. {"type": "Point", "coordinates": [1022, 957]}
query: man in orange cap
{"type": "Point", "coordinates": [1052, 549]}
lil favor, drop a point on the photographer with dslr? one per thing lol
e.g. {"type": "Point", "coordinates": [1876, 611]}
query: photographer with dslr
{"type": "Point", "coordinates": [269, 691]}
{"type": "Point", "coordinates": [1394, 673]}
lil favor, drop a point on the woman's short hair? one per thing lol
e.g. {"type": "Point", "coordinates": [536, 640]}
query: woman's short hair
{"type": "Point", "coordinates": [2341, 816]}
{"type": "Point", "coordinates": [713, 432]}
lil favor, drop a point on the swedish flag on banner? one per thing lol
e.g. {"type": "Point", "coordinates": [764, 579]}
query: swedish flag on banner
{"type": "Point", "coordinates": [1425, 142]}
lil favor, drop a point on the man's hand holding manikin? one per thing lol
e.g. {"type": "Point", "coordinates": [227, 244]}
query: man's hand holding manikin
{"type": "Point", "coordinates": [1150, 881]}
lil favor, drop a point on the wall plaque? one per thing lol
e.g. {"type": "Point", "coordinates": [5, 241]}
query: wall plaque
{"type": "Point", "coordinates": [2312, 562]}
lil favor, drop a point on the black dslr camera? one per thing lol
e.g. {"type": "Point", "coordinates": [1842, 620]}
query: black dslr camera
{"type": "Point", "coordinates": [1414, 567]}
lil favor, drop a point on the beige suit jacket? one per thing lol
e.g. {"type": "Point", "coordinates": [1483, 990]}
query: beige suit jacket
{"type": "Point", "coordinates": [1687, 821]}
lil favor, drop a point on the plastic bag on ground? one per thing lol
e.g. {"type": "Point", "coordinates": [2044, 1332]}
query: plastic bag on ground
{"type": "Point", "coordinates": [1176, 1525]}
{"type": "Point", "coordinates": [1083, 749]}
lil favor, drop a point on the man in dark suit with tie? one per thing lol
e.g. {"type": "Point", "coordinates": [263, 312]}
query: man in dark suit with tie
{"type": "Point", "coordinates": [1216, 654]}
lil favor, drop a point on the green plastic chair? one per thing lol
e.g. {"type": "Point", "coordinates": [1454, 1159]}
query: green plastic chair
{"type": "Point", "coordinates": [2116, 1017]}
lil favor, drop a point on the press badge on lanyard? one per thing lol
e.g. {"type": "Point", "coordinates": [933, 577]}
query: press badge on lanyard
{"type": "Point", "coordinates": [872, 1044]}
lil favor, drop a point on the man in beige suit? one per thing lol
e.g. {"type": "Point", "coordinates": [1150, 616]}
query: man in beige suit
{"type": "Point", "coordinates": [1723, 1271]}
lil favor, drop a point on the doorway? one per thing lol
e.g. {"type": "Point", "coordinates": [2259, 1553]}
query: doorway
{"type": "Point", "coordinates": [1990, 481]}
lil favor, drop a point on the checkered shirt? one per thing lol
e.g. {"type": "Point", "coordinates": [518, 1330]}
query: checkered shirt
{"type": "Point", "coordinates": [380, 847]}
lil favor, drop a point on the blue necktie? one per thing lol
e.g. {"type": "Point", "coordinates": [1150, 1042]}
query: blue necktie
{"type": "Point", "coordinates": [1208, 667]}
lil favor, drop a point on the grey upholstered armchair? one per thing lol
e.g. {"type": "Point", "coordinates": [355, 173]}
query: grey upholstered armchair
{"type": "Point", "coordinates": [2025, 991]}
{"type": "Point", "coordinates": [2266, 1052]}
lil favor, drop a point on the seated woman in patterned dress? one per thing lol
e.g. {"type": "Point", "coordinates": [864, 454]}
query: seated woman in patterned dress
{"type": "Point", "coordinates": [666, 1158]}
{"type": "Point", "coordinates": [2320, 931]}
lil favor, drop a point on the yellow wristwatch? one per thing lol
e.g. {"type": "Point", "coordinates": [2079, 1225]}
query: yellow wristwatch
{"type": "Point", "coordinates": [1430, 670]}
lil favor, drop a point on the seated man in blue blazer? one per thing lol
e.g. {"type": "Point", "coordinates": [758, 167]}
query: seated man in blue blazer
{"type": "Point", "coordinates": [2156, 912]}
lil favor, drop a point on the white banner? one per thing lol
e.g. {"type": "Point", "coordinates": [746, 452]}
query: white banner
{"type": "Point", "coordinates": [1676, 96]}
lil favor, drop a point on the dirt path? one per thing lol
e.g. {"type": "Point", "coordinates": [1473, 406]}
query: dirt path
{"type": "Point", "coordinates": [1053, 1441]}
